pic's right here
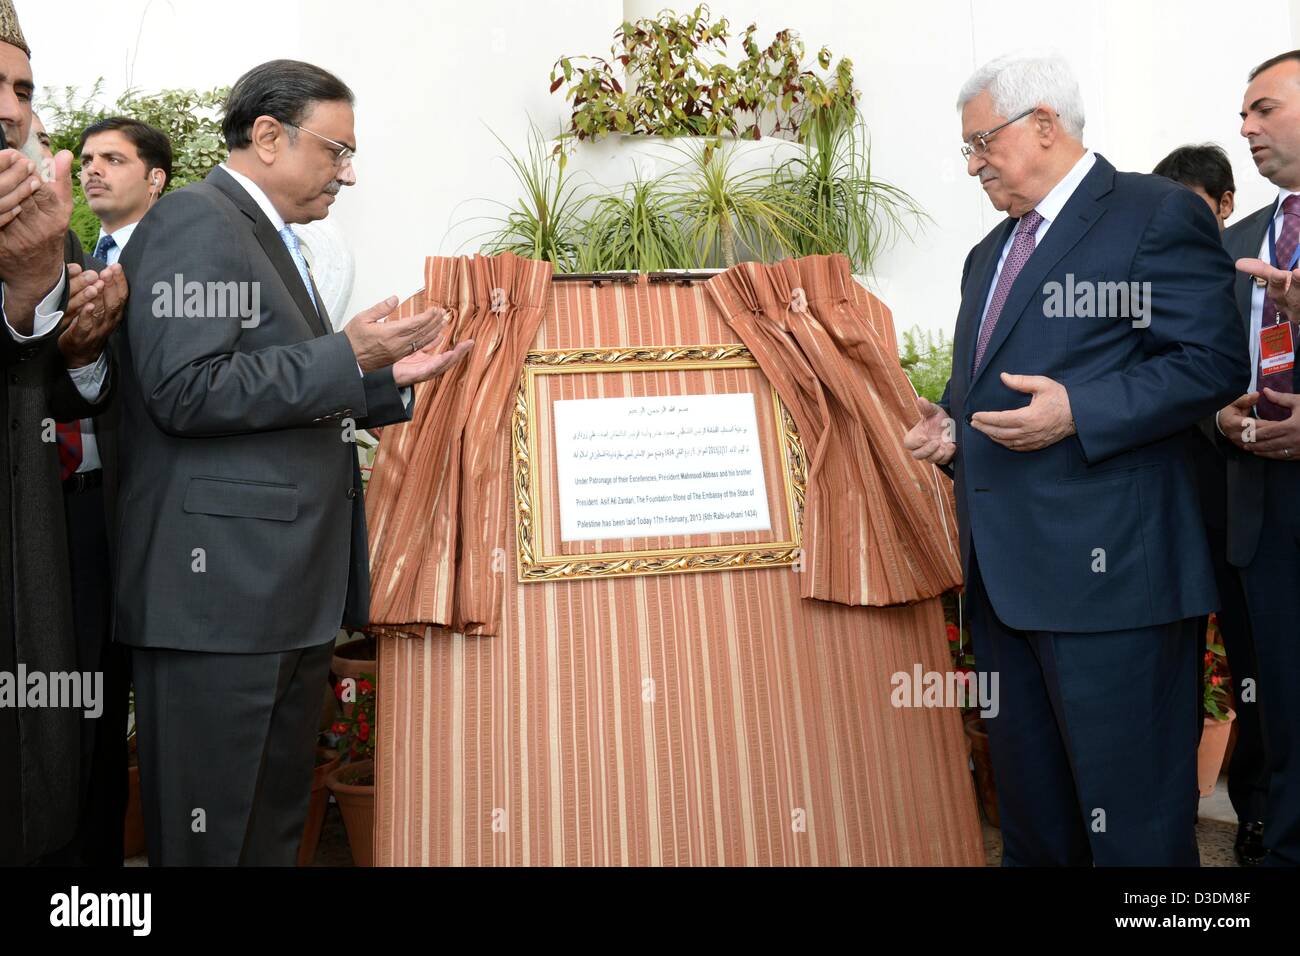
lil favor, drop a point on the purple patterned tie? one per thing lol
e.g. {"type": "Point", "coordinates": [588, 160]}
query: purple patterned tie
{"type": "Point", "coordinates": [1022, 247]}
{"type": "Point", "coordinates": [1280, 381]}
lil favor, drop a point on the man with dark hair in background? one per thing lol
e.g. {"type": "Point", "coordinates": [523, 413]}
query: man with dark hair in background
{"type": "Point", "coordinates": [1206, 171]}
{"type": "Point", "coordinates": [243, 542]}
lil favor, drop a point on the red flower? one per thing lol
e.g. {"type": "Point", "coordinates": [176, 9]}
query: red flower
{"type": "Point", "coordinates": [364, 686]}
{"type": "Point", "coordinates": [364, 733]}
{"type": "Point", "coordinates": [1216, 681]}
{"type": "Point", "coordinates": [953, 633]}
{"type": "Point", "coordinates": [339, 728]}
{"type": "Point", "coordinates": [338, 690]}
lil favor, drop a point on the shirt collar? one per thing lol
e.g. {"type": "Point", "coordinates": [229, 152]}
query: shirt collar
{"type": "Point", "coordinates": [1051, 205]}
{"type": "Point", "coordinates": [121, 237]}
{"type": "Point", "coordinates": [1281, 197]}
{"type": "Point", "coordinates": [259, 197]}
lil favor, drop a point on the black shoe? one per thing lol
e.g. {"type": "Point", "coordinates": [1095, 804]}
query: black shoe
{"type": "Point", "coordinates": [1249, 848]}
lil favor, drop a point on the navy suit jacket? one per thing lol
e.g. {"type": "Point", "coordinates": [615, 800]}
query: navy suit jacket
{"type": "Point", "coordinates": [1245, 471]}
{"type": "Point", "coordinates": [1101, 531]}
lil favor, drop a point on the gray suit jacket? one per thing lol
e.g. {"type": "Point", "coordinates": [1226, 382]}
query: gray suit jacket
{"type": "Point", "coordinates": [241, 526]}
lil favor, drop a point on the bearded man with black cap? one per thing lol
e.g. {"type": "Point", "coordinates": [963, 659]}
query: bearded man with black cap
{"type": "Point", "coordinates": [56, 321]}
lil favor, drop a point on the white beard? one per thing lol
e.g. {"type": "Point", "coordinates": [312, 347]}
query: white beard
{"type": "Point", "coordinates": [32, 150]}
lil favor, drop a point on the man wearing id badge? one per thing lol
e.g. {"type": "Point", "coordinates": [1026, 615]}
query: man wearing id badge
{"type": "Point", "coordinates": [1262, 436]}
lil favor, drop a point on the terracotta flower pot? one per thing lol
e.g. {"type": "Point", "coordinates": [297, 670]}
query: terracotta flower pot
{"type": "Point", "coordinates": [357, 804]}
{"type": "Point", "coordinates": [983, 761]}
{"type": "Point", "coordinates": [326, 761]}
{"type": "Point", "coordinates": [1209, 756]}
{"type": "Point", "coordinates": [352, 659]}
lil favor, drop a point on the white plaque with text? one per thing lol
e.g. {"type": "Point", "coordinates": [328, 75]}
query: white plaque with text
{"type": "Point", "coordinates": [645, 467]}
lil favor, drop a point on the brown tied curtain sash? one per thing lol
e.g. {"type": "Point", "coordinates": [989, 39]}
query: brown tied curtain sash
{"type": "Point", "coordinates": [436, 531]}
{"type": "Point", "coordinates": [879, 527]}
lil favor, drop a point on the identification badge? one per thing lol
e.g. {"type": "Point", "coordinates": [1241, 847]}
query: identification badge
{"type": "Point", "coordinates": [1276, 349]}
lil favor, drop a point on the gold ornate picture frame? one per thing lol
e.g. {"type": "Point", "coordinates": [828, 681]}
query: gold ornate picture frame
{"type": "Point", "coordinates": [534, 565]}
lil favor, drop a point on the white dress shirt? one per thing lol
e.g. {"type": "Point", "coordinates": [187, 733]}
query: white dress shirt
{"type": "Point", "coordinates": [1257, 291]}
{"type": "Point", "coordinates": [1050, 209]}
{"type": "Point", "coordinates": [89, 379]}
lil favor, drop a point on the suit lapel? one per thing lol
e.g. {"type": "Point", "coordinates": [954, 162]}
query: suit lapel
{"type": "Point", "coordinates": [1245, 243]}
{"type": "Point", "coordinates": [271, 244]}
{"type": "Point", "coordinates": [982, 266]}
{"type": "Point", "coordinates": [320, 304]}
{"type": "Point", "coordinates": [1080, 213]}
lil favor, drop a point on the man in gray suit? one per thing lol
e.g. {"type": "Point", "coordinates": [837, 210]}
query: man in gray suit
{"type": "Point", "coordinates": [241, 528]}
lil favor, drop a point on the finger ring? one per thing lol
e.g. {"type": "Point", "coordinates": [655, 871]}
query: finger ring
{"type": "Point", "coordinates": [412, 348]}
{"type": "Point", "coordinates": [1287, 452]}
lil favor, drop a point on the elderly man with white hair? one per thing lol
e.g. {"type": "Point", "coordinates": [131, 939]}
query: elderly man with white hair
{"type": "Point", "coordinates": [1095, 328]}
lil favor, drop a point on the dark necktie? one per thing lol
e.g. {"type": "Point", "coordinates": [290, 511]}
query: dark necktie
{"type": "Point", "coordinates": [1022, 247]}
{"type": "Point", "coordinates": [1282, 380]}
{"type": "Point", "coordinates": [101, 248]}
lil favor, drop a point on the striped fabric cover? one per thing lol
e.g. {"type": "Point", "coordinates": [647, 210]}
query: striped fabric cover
{"type": "Point", "coordinates": [686, 719]}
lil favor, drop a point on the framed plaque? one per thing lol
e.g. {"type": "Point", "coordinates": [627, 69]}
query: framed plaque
{"type": "Point", "coordinates": [646, 461]}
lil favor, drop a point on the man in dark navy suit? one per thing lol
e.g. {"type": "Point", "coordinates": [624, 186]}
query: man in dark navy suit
{"type": "Point", "coordinates": [1206, 171]}
{"type": "Point", "coordinates": [1090, 337]}
{"type": "Point", "coordinates": [1261, 434]}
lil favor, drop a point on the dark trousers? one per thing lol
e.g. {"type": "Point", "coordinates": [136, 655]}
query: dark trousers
{"type": "Point", "coordinates": [1248, 772]}
{"type": "Point", "coordinates": [1272, 583]}
{"type": "Point", "coordinates": [227, 744]}
{"type": "Point", "coordinates": [1094, 742]}
{"type": "Point", "coordinates": [103, 797]}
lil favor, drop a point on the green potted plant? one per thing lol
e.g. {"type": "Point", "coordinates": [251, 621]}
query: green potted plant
{"type": "Point", "coordinates": [545, 222]}
{"type": "Point", "coordinates": [682, 84]}
{"type": "Point", "coordinates": [636, 229]}
{"type": "Point", "coordinates": [926, 357]}
{"type": "Point", "coordinates": [832, 201]}
{"type": "Point", "coordinates": [1219, 715]}
{"type": "Point", "coordinates": [353, 783]}
{"type": "Point", "coordinates": [727, 213]}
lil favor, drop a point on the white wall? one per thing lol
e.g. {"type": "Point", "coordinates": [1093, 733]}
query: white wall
{"type": "Point", "coordinates": [431, 78]}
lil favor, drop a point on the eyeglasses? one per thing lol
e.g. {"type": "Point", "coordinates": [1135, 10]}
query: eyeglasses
{"type": "Point", "coordinates": [979, 142]}
{"type": "Point", "coordinates": [342, 156]}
